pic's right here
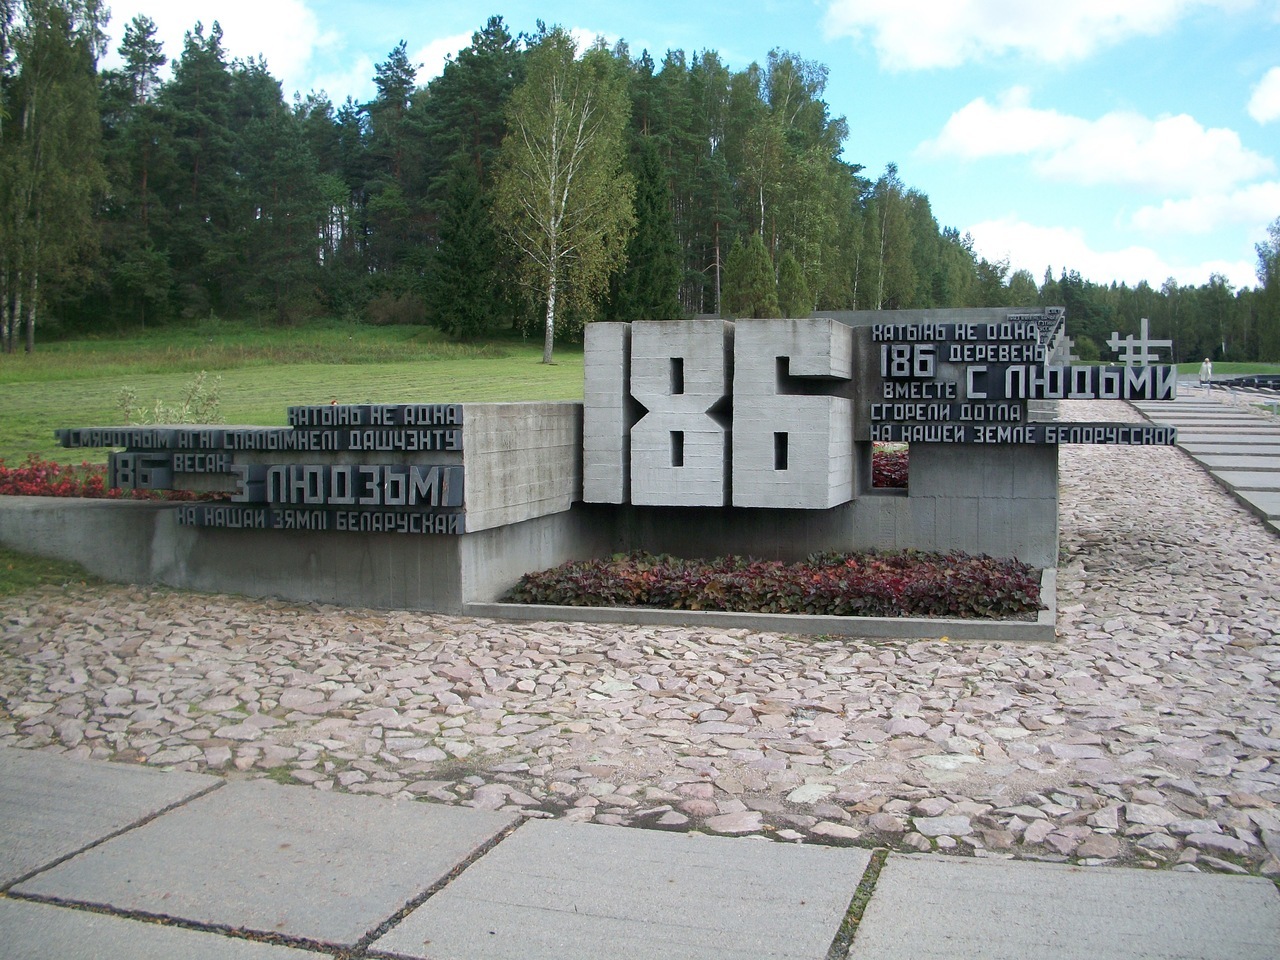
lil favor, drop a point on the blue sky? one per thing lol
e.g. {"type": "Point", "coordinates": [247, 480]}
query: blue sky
{"type": "Point", "coordinates": [1127, 139]}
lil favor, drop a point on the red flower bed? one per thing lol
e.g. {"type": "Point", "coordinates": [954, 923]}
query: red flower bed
{"type": "Point", "coordinates": [43, 478]}
{"type": "Point", "coordinates": [889, 468]}
{"type": "Point", "coordinates": [907, 584]}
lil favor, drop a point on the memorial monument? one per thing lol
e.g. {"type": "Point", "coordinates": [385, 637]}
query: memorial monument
{"type": "Point", "coordinates": [696, 438]}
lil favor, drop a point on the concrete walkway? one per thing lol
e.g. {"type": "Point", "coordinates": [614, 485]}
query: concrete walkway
{"type": "Point", "coordinates": [1233, 436]}
{"type": "Point", "coordinates": [108, 860]}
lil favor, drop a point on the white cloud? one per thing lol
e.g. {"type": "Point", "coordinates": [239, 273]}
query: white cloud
{"type": "Point", "coordinates": [1169, 154]}
{"type": "Point", "coordinates": [585, 38]}
{"type": "Point", "coordinates": [285, 32]}
{"type": "Point", "coordinates": [918, 34]}
{"type": "Point", "coordinates": [356, 81]}
{"type": "Point", "coordinates": [431, 57]}
{"type": "Point", "coordinates": [1250, 206]}
{"type": "Point", "coordinates": [1264, 105]}
{"type": "Point", "coordinates": [1033, 248]}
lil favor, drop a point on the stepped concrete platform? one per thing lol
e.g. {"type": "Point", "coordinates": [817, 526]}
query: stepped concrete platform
{"type": "Point", "coordinates": [1234, 437]}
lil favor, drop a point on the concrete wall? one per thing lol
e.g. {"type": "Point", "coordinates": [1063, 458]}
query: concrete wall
{"type": "Point", "coordinates": [523, 460]}
{"type": "Point", "coordinates": [524, 480]}
{"type": "Point", "coordinates": [137, 542]}
{"type": "Point", "coordinates": [1001, 500]}
{"type": "Point", "coordinates": [111, 539]}
{"type": "Point", "coordinates": [997, 500]}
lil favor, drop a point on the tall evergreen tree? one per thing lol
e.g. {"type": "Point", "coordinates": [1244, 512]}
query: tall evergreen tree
{"type": "Point", "coordinates": [201, 191]}
{"type": "Point", "coordinates": [750, 289]}
{"type": "Point", "coordinates": [138, 143]}
{"type": "Point", "coordinates": [394, 208]}
{"type": "Point", "coordinates": [463, 113]}
{"type": "Point", "coordinates": [794, 299]}
{"type": "Point", "coordinates": [287, 206]}
{"type": "Point", "coordinates": [648, 287]}
{"type": "Point", "coordinates": [462, 288]}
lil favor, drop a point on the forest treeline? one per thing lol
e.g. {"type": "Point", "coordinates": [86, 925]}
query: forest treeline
{"type": "Point", "coordinates": [681, 187]}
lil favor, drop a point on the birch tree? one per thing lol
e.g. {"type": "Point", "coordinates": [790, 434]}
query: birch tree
{"type": "Point", "coordinates": [563, 196]}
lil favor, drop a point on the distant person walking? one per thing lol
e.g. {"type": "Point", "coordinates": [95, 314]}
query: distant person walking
{"type": "Point", "coordinates": [1206, 374]}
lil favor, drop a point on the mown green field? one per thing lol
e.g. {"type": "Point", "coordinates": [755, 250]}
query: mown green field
{"type": "Point", "coordinates": [263, 371]}
{"type": "Point", "coordinates": [1231, 369]}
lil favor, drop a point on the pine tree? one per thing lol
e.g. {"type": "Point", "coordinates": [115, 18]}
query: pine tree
{"type": "Point", "coordinates": [393, 207]}
{"type": "Point", "coordinates": [750, 289]}
{"type": "Point", "coordinates": [462, 285]}
{"type": "Point", "coordinates": [648, 287]}
{"type": "Point", "coordinates": [138, 145]}
{"type": "Point", "coordinates": [286, 206]}
{"type": "Point", "coordinates": [463, 111]}
{"type": "Point", "coordinates": [794, 299]}
{"type": "Point", "coordinates": [1268, 296]}
{"type": "Point", "coordinates": [201, 189]}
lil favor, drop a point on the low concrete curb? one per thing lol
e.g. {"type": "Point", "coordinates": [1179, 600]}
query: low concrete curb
{"type": "Point", "coordinates": [1042, 629]}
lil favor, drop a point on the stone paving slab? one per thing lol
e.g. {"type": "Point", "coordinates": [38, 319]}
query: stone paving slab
{"type": "Point", "coordinates": [52, 806]}
{"type": "Point", "coordinates": [558, 891]}
{"type": "Point", "coordinates": [1197, 447]}
{"type": "Point", "coordinates": [1268, 504]}
{"type": "Point", "coordinates": [1243, 461]}
{"type": "Point", "coordinates": [931, 908]}
{"type": "Point", "coordinates": [327, 868]}
{"type": "Point", "coordinates": [39, 931]}
{"type": "Point", "coordinates": [1242, 480]}
{"type": "Point", "coordinates": [1224, 418]}
{"type": "Point", "coordinates": [1225, 436]}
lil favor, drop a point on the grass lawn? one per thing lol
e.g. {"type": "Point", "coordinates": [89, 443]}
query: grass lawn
{"type": "Point", "coordinates": [20, 572]}
{"type": "Point", "coordinates": [264, 370]}
{"type": "Point", "coordinates": [1231, 369]}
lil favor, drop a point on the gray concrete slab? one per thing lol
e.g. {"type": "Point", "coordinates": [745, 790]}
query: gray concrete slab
{"type": "Point", "coordinates": [931, 908]}
{"type": "Point", "coordinates": [1250, 479]}
{"type": "Point", "coordinates": [1199, 447]}
{"type": "Point", "coordinates": [1242, 461]}
{"type": "Point", "coordinates": [563, 891]}
{"type": "Point", "coordinates": [51, 806]}
{"type": "Point", "coordinates": [1232, 426]}
{"type": "Point", "coordinates": [1222, 436]}
{"type": "Point", "coordinates": [282, 860]}
{"type": "Point", "coordinates": [1222, 416]}
{"type": "Point", "coordinates": [1262, 502]}
{"type": "Point", "coordinates": [39, 931]}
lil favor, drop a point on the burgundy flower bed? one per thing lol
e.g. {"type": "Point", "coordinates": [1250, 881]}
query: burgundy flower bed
{"type": "Point", "coordinates": [43, 478]}
{"type": "Point", "coordinates": [889, 468]}
{"type": "Point", "coordinates": [907, 584]}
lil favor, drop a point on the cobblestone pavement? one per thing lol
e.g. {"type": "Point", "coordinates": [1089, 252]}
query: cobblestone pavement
{"type": "Point", "coordinates": [1149, 734]}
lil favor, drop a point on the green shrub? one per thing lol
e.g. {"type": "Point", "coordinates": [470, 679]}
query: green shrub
{"type": "Point", "coordinates": [200, 402]}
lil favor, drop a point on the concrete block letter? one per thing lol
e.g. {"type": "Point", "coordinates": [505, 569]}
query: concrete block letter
{"type": "Point", "coordinates": [681, 372]}
{"type": "Point", "coordinates": [606, 415]}
{"type": "Point", "coordinates": [792, 442]}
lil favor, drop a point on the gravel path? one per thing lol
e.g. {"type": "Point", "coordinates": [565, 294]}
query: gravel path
{"type": "Point", "coordinates": [1149, 734]}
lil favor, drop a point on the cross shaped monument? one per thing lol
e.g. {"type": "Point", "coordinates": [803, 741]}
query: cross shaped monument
{"type": "Point", "coordinates": [1137, 352]}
